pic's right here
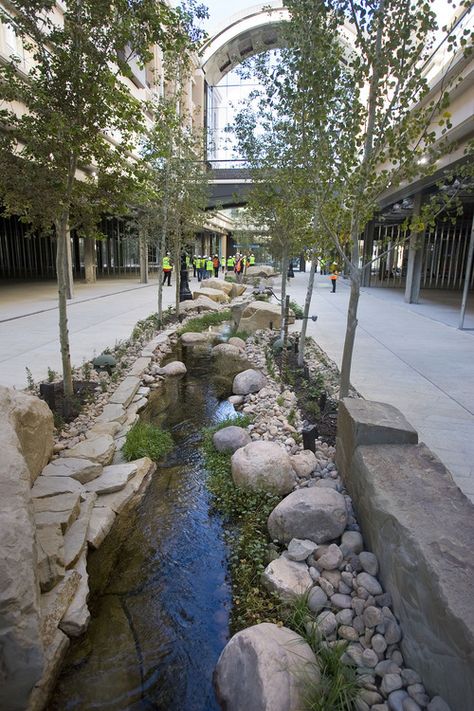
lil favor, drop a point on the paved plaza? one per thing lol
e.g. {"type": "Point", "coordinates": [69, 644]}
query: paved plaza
{"type": "Point", "coordinates": [412, 356]}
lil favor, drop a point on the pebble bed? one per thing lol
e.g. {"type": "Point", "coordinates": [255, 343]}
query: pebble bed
{"type": "Point", "coordinates": [347, 599]}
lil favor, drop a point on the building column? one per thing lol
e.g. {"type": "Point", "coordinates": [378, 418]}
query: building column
{"type": "Point", "coordinates": [415, 260]}
{"type": "Point", "coordinates": [467, 277]}
{"type": "Point", "coordinates": [368, 252]}
{"type": "Point", "coordinates": [143, 261]}
{"type": "Point", "coordinates": [90, 260]}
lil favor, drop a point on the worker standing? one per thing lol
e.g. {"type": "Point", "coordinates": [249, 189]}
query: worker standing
{"type": "Point", "coordinates": [215, 263]}
{"type": "Point", "coordinates": [167, 269]}
{"type": "Point", "coordinates": [333, 277]}
{"type": "Point", "coordinates": [251, 259]}
{"type": "Point", "coordinates": [195, 266]}
{"type": "Point", "coordinates": [230, 263]}
{"type": "Point", "coordinates": [209, 268]}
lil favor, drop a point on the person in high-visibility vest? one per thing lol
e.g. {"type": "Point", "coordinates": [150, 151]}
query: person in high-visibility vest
{"type": "Point", "coordinates": [230, 263]}
{"type": "Point", "coordinates": [195, 266]}
{"type": "Point", "coordinates": [251, 259]}
{"type": "Point", "coordinates": [223, 264]}
{"type": "Point", "coordinates": [333, 277]}
{"type": "Point", "coordinates": [215, 264]}
{"type": "Point", "coordinates": [199, 263]}
{"type": "Point", "coordinates": [167, 269]}
{"type": "Point", "coordinates": [209, 267]}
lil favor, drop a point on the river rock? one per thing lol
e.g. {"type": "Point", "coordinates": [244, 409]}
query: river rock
{"type": "Point", "coordinates": [369, 562]}
{"type": "Point", "coordinates": [370, 583]}
{"type": "Point", "coordinates": [249, 381]}
{"type": "Point", "coordinates": [396, 699]}
{"type": "Point", "coordinates": [100, 450]}
{"type": "Point", "coordinates": [304, 463]}
{"type": "Point", "coordinates": [194, 339]}
{"type": "Point", "coordinates": [83, 470]}
{"type": "Point", "coordinates": [317, 599]}
{"type": "Point", "coordinates": [351, 542]}
{"type": "Point", "coordinates": [287, 578]}
{"type": "Point", "coordinates": [317, 514]}
{"type": "Point", "coordinates": [237, 342]}
{"type": "Point", "coordinates": [236, 400]}
{"type": "Point", "coordinates": [174, 369]}
{"type": "Point", "coordinates": [438, 704]}
{"type": "Point", "coordinates": [274, 662]}
{"type": "Point", "coordinates": [230, 439]}
{"type": "Point", "coordinates": [331, 559]}
{"type": "Point", "coordinates": [299, 550]}
{"type": "Point", "coordinates": [263, 466]}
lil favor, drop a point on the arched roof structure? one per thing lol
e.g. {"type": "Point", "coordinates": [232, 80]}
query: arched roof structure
{"type": "Point", "coordinates": [247, 33]}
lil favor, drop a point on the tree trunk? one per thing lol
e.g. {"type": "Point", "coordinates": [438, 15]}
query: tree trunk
{"type": "Point", "coordinates": [68, 266]}
{"type": "Point", "coordinates": [177, 266]}
{"type": "Point", "coordinates": [159, 258]}
{"type": "Point", "coordinates": [351, 327]}
{"type": "Point", "coordinates": [143, 260]}
{"type": "Point", "coordinates": [284, 272]}
{"type": "Point", "coordinates": [62, 233]}
{"type": "Point", "coordinates": [307, 305]}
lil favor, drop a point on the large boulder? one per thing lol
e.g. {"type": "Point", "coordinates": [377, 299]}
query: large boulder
{"type": "Point", "coordinates": [260, 314]}
{"type": "Point", "coordinates": [214, 294]}
{"type": "Point", "coordinates": [202, 303]}
{"type": "Point", "coordinates": [249, 381]}
{"type": "Point", "coordinates": [230, 439]}
{"type": "Point", "coordinates": [265, 668]}
{"type": "Point", "coordinates": [21, 646]}
{"type": "Point", "coordinates": [229, 359]}
{"type": "Point", "coordinates": [194, 339]}
{"type": "Point", "coordinates": [304, 463]}
{"type": "Point", "coordinates": [319, 515]}
{"type": "Point", "coordinates": [32, 422]}
{"type": "Point", "coordinates": [237, 342]}
{"type": "Point", "coordinates": [263, 466]}
{"type": "Point", "coordinates": [261, 270]}
{"type": "Point", "coordinates": [220, 285]}
{"type": "Point", "coordinates": [287, 578]}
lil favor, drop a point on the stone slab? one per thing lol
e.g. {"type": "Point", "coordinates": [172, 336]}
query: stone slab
{"type": "Point", "coordinates": [112, 413]}
{"type": "Point", "coordinates": [113, 478]}
{"type": "Point", "coordinates": [77, 616]}
{"type": "Point", "coordinates": [364, 422]}
{"type": "Point", "coordinates": [101, 521]}
{"type": "Point", "coordinates": [50, 556]}
{"type": "Point", "coordinates": [421, 528]}
{"type": "Point", "coordinates": [100, 428]}
{"type": "Point", "coordinates": [101, 449]}
{"type": "Point", "coordinates": [54, 657]}
{"type": "Point", "coordinates": [137, 484]}
{"type": "Point", "coordinates": [54, 485]}
{"type": "Point", "coordinates": [83, 470]}
{"type": "Point", "coordinates": [140, 365]}
{"type": "Point", "coordinates": [126, 391]}
{"type": "Point", "coordinates": [76, 536]}
{"type": "Point", "coordinates": [55, 603]}
{"type": "Point", "coordinates": [62, 509]}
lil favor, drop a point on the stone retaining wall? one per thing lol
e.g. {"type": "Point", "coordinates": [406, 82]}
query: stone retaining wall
{"type": "Point", "coordinates": [421, 527]}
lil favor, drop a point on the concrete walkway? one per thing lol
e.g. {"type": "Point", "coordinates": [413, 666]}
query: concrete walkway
{"type": "Point", "coordinates": [411, 356]}
{"type": "Point", "coordinates": [99, 316]}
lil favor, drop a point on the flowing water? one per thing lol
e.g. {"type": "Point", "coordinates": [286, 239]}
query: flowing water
{"type": "Point", "coordinates": [160, 593]}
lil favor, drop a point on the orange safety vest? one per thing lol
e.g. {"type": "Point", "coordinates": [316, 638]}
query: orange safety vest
{"type": "Point", "coordinates": [333, 276]}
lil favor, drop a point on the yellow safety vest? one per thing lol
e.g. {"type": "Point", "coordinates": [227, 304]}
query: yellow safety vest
{"type": "Point", "coordinates": [210, 265]}
{"type": "Point", "coordinates": [230, 262]}
{"type": "Point", "coordinates": [167, 264]}
{"type": "Point", "coordinates": [252, 260]}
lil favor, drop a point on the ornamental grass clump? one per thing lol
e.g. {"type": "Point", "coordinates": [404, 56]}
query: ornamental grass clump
{"type": "Point", "coordinates": [202, 323]}
{"type": "Point", "coordinates": [146, 440]}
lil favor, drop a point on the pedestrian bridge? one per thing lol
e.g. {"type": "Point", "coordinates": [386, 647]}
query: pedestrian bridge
{"type": "Point", "coordinates": [228, 187]}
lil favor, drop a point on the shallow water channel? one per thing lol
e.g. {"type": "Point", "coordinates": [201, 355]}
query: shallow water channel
{"type": "Point", "coordinates": [160, 597]}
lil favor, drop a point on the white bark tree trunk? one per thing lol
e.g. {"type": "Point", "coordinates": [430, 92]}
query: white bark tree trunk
{"type": "Point", "coordinates": [62, 233]}
{"type": "Point", "coordinates": [307, 306]}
